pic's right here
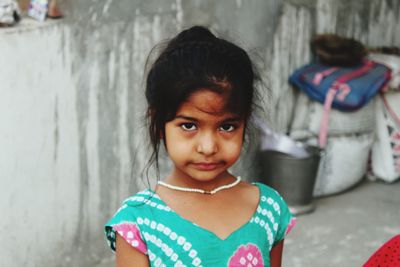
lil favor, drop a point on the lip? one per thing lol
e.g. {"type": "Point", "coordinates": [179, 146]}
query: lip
{"type": "Point", "coordinates": [206, 166]}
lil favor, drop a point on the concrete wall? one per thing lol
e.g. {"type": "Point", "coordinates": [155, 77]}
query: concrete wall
{"type": "Point", "coordinates": [71, 105]}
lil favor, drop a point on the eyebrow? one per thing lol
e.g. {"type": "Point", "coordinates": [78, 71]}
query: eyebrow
{"type": "Point", "coordinates": [227, 120]}
{"type": "Point", "coordinates": [185, 118]}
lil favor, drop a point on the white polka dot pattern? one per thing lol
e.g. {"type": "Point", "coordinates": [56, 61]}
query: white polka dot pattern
{"type": "Point", "coordinates": [247, 256]}
{"type": "Point", "coordinates": [140, 199]}
{"type": "Point", "coordinates": [180, 240]}
{"type": "Point", "coordinates": [272, 203]}
{"type": "Point", "coordinates": [131, 233]}
{"type": "Point", "coordinates": [266, 219]}
{"type": "Point", "coordinates": [172, 241]}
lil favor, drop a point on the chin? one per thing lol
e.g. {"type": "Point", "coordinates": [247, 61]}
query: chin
{"type": "Point", "coordinates": [208, 176]}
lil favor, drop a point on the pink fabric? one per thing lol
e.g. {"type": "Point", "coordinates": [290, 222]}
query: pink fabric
{"type": "Point", "coordinates": [368, 64]}
{"type": "Point", "coordinates": [247, 255]}
{"type": "Point", "coordinates": [131, 233]}
{"type": "Point", "coordinates": [344, 90]}
{"type": "Point", "coordinates": [323, 132]}
{"type": "Point", "coordinates": [319, 76]}
{"type": "Point", "coordinates": [341, 86]}
{"type": "Point", "coordinates": [391, 111]}
{"type": "Point", "coordinates": [290, 225]}
{"type": "Point", "coordinates": [397, 164]}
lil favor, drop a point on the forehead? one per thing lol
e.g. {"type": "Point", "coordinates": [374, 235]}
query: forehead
{"type": "Point", "coordinates": [205, 101]}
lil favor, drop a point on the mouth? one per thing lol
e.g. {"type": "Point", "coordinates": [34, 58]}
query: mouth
{"type": "Point", "coordinates": [207, 166]}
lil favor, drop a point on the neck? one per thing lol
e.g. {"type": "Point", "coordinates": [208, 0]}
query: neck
{"type": "Point", "coordinates": [198, 190]}
{"type": "Point", "coordinates": [209, 185]}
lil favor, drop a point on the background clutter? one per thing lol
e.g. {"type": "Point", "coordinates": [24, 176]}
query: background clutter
{"type": "Point", "coordinates": [346, 106]}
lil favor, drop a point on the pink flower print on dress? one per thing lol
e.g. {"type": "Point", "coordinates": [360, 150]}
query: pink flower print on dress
{"type": "Point", "coordinates": [131, 233]}
{"type": "Point", "coordinates": [248, 256]}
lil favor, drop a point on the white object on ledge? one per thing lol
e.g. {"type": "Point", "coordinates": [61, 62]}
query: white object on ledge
{"type": "Point", "coordinates": [38, 9]}
{"type": "Point", "coordinates": [10, 12]}
{"type": "Point", "coordinates": [271, 140]}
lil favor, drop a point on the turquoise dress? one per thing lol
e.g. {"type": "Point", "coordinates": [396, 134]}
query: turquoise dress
{"type": "Point", "coordinates": [153, 228]}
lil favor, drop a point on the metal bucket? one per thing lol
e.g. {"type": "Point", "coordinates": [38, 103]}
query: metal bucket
{"type": "Point", "coordinates": [294, 178]}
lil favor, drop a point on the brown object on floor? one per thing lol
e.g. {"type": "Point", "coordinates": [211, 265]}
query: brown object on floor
{"type": "Point", "coordinates": [54, 12]}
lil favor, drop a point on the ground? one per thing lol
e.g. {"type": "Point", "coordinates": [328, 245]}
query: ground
{"type": "Point", "coordinates": [345, 229]}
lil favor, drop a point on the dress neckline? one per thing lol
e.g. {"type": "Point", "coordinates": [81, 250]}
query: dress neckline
{"type": "Point", "coordinates": [229, 236]}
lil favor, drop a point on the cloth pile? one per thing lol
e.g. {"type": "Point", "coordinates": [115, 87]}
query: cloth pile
{"type": "Point", "coordinates": [385, 160]}
{"type": "Point", "coordinates": [10, 12]}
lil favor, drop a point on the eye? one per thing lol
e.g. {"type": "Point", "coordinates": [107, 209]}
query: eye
{"type": "Point", "coordinates": [188, 126]}
{"type": "Point", "coordinates": [227, 127]}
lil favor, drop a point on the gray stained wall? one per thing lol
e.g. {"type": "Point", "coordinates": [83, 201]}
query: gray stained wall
{"type": "Point", "coordinates": [71, 106]}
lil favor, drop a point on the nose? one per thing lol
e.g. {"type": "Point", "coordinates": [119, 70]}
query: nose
{"type": "Point", "coordinates": [207, 144]}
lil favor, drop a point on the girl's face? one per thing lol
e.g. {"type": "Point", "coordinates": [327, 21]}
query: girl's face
{"type": "Point", "coordinates": [203, 140]}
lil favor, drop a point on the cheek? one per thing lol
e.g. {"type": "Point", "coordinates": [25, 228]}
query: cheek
{"type": "Point", "coordinates": [234, 148]}
{"type": "Point", "coordinates": [176, 148]}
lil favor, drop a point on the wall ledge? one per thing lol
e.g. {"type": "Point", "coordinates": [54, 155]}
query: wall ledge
{"type": "Point", "coordinates": [28, 24]}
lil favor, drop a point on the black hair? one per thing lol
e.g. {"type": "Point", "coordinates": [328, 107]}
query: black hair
{"type": "Point", "coordinates": [193, 60]}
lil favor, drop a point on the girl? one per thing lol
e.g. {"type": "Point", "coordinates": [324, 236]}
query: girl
{"type": "Point", "coordinates": [200, 95]}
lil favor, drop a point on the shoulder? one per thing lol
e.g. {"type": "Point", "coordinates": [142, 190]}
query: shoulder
{"type": "Point", "coordinates": [261, 193]}
{"type": "Point", "coordinates": [129, 218]}
{"type": "Point", "coordinates": [267, 191]}
{"type": "Point", "coordinates": [246, 193]}
{"type": "Point", "coordinates": [145, 197]}
{"type": "Point", "coordinates": [271, 197]}
{"type": "Point", "coordinates": [142, 203]}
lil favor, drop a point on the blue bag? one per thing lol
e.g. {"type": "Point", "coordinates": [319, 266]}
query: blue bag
{"type": "Point", "coordinates": [342, 88]}
{"type": "Point", "coordinates": [354, 86]}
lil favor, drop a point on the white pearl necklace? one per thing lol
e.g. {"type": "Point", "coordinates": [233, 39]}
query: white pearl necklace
{"type": "Point", "coordinates": [196, 190]}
